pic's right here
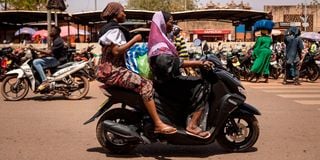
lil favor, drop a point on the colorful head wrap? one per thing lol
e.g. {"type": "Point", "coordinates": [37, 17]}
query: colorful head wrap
{"type": "Point", "coordinates": [157, 36]}
{"type": "Point", "coordinates": [111, 11]}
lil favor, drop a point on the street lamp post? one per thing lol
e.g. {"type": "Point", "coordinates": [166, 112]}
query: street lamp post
{"type": "Point", "coordinates": [305, 16]}
{"type": "Point", "coordinates": [185, 5]}
{"type": "Point", "coordinates": [49, 28]}
{"type": "Point", "coordinates": [5, 5]}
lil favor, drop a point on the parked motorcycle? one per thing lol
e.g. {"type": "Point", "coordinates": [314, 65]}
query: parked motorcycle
{"type": "Point", "coordinates": [275, 66]}
{"type": "Point", "coordinates": [309, 69]}
{"type": "Point", "coordinates": [8, 60]}
{"type": "Point", "coordinates": [230, 120]}
{"type": "Point", "coordinates": [239, 64]}
{"type": "Point", "coordinates": [87, 55]}
{"type": "Point", "coordinates": [68, 79]}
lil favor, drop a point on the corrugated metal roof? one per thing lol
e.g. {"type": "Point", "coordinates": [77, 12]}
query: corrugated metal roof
{"type": "Point", "coordinates": [14, 17]}
{"type": "Point", "coordinates": [227, 15]}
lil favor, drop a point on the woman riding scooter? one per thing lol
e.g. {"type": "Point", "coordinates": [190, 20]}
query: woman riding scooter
{"type": "Point", "coordinates": [179, 91]}
{"type": "Point", "coordinates": [115, 41]}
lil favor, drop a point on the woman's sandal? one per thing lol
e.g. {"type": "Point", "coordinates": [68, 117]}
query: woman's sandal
{"type": "Point", "coordinates": [196, 130]}
{"type": "Point", "coordinates": [202, 135]}
{"type": "Point", "coordinates": [166, 130]}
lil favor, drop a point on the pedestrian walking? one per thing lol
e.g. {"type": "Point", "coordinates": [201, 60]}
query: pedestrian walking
{"type": "Point", "coordinates": [261, 55]}
{"type": "Point", "coordinates": [294, 48]}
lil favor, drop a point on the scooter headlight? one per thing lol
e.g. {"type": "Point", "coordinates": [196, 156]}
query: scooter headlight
{"type": "Point", "coordinates": [242, 91]}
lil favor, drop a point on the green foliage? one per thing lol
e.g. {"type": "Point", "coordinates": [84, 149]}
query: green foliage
{"type": "Point", "coordinates": [25, 4]}
{"type": "Point", "coordinates": [164, 5]}
{"type": "Point", "coordinates": [314, 2]}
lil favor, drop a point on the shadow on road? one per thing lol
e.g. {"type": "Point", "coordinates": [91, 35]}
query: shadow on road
{"type": "Point", "coordinates": [52, 98]}
{"type": "Point", "coordinates": [163, 151]}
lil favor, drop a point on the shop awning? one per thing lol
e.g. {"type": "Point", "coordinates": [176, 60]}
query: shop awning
{"type": "Point", "coordinates": [210, 31]}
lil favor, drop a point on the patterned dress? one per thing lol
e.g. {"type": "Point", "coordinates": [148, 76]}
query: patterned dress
{"type": "Point", "coordinates": [113, 72]}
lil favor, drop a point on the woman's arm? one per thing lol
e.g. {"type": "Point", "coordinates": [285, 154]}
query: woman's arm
{"type": "Point", "coordinates": [120, 49]}
{"type": "Point", "coordinates": [192, 63]}
{"type": "Point", "coordinates": [197, 63]}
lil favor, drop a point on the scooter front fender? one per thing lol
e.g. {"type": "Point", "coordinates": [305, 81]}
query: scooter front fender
{"type": "Point", "coordinates": [248, 109]}
{"type": "Point", "coordinates": [18, 71]}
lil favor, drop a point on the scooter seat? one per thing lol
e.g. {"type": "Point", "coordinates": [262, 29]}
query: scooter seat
{"type": "Point", "coordinates": [65, 65]}
{"type": "Point", "coordinates": [122, 95]}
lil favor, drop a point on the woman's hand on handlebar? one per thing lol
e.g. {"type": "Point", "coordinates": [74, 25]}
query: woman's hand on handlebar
{"type": "Point", "coordinates": [207, 65]}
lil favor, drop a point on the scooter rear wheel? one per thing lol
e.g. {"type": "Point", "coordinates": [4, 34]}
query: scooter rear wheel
{"type": "Point", "coordinates": [239, 133]}
{"type": "Point", "coordinates": [111, 142]}
{"type": "Point", "coordinates": [79, 87]}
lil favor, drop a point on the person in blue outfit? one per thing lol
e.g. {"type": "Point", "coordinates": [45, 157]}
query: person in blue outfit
{"type": "Point", "coordinates": [294, 48]}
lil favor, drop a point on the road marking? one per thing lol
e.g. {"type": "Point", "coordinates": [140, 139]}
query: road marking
{"type": "Point", "coordinates": [308, 102]}
{"type": "Point", "coordinates": [286, 87]}
{"type": "Point", "coordinates": [305, 94]}
{"type": "Point", "coordinates": [299, 95]}
{"type": "Point", "coordinates": [292, 91]}
{"type": "Point", "coordinates": [280, 84]}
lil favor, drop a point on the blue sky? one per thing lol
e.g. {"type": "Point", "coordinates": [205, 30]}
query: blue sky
{"type": "Point", "coordinates": [89, 5]}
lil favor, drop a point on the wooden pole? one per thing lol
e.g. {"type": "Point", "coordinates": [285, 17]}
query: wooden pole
{"type": "Point", "coordinates": [49, 28]}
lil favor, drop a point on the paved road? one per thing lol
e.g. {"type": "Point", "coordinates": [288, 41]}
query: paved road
{"type": "Point", "coordinates": [37, 129]}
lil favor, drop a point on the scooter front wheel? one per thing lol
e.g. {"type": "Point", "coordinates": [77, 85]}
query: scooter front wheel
{"type": "Point", "coordinates": [240, 132]}
{"type": "Point", "coordinates": [14, 89]}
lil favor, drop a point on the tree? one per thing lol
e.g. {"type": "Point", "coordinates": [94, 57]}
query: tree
{"type": "Point", "coordinates": [314, 2]}
{"type": "Point", "coordinates": [24, 5]}
{"type": "Point", "coordinates": [165, 5]}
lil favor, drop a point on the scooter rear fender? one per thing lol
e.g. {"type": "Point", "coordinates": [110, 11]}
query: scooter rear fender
{"type": "Point", "coordinates": [115, 95]}
{"type": "Point", "coordinates": [103, 107]}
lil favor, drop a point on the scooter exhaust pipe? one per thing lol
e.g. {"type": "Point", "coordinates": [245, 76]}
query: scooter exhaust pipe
{"type": "Point", "coordinates": [126, 132]}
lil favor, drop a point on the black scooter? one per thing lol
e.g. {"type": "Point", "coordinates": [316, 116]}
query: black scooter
{"type": "Point", "coordinates": [228, 118]}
